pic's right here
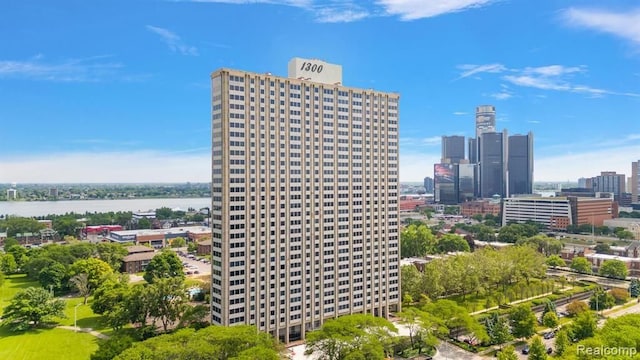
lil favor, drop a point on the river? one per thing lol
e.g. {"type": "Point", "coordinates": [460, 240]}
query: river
{"type": "Point", "coordinates": [41, 208]}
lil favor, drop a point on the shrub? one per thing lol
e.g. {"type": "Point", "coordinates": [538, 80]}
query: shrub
{"type": "Point", "coordinates": [621, 296]}
{"type": "Point", "coordinates": [577, 307]}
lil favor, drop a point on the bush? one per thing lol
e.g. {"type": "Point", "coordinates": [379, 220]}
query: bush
{"type": "Point", "coordinates": [577, 307]}
{"type": "Point", "coordinates": [550, 320]}
{"type": "Point", "coordinates": [621, 296]}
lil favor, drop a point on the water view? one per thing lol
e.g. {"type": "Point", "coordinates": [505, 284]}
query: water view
{"type": "Point", "coordinates": [40, 208]}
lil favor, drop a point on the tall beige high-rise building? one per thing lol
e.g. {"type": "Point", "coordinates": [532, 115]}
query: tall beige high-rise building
{"type": "Point", "coordinates": [304, 199]}
{"type": "Point", "coordinates": [635, 181]}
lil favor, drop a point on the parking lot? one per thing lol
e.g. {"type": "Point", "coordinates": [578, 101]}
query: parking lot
{"type": "Point", "coordinates": [194, 266]}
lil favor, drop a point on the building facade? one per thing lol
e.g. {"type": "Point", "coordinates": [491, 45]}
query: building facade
{"type": "Point", "coordinates": [453, 149]}
{"type": "Point", "coordinates": [520, 165]}
{"type": "Point", "coordinates": [553, 213]}
{"type": "Point", "coordinates": [304, 199]}
{"type": "Point", "coordinates": [493, 163]}
{"type": "Point", "coordinates": [428, 185]}
{"type": "Point", "coordinates": [609, 181]}
{"type": "Point", "coordinates": [445, 178]}
{"type": "Point", "coordinates": [635, 181]}
{"type": "Point", "coordinates": [485, 119]}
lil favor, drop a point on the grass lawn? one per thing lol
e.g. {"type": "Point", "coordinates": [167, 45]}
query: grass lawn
{"type": "Point", "coordinates": [86, 316]}
{"type": "Point", "coordinates": [13, 284]}
{"type": "Point", "coordinates": [46, 344]}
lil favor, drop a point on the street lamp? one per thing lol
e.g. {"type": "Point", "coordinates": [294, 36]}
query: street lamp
{"type": "Point", "coordinates": [75, 317]}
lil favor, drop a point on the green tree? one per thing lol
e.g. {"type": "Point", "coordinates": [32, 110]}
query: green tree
{"type": "Point", "coordinates": [66, 225]}
{"type": "Point", "coordinates": [550, 320]}
{"type": "Point", "coordinates": [624, 234]}
{"type": "Point", "coordinates": [508, 353]}
{"type": "Point", "coordinates": [584, 325]}
{"type": "Point", "coordinates": [178, 242]}
{"type": "Point", "coordinates": [581, 265]}
{"type": "Point", "coordinates": [498, 329]}
{"type": "Point", "coordinates": [112, 347]}
{"type": "Point", "coordinates": [30, 307]}
{"type": "Point", "coordinates": [19, 225]}
{"type": "Point", "coordinates": [522, 321]}
{"type": "Point", "coordinates": [619, 295]}
{"type": "Point", "coordinates": [240, 342]}
{"type": "Point", "coordinates": [167, 299]}
{"type": "Point", "coordinates": [455, 319]}
{"type": "Point", "coordinates": [143, 223]}
{"type": "Point", "coordinates": [54, 276]}
{"type": "Point", "coordinates": [602, 248]}
{"type": "Point", "coordinates": [545, 245]}
{"type": "Point", "coordinates": [164, 213]}
{"type": "Point", "coordinates": [601, 300]}
{"type": "Point", "coordinates": [561, 342]}
{"type": "Point", "coordinates": [192, 247]}
{"type": "Point", "coordinates": [112, 254]}
{"type": "Point", "coordinates": [416, 241]}
{"type": "Point", "coordinates": [350, 337]}
{"type": "Point", "coordinates": [614, 268]}
{"type": "Point", "coordinates": [8, 264]}
{"type": "Point", "coordinates": [451, 243]}
{"type": "Point", "coordinates": [537, 351]}
{"type": "Point", "coordinates": [411, 280]}
{"type": "Point", "coordinates": [164, 265]}
{"type": "Point", "coordinates": [19, 255]}
{"type": "Point", "coordinates": [112, 299]}
{"type": "Point", "coordinates": [96, 270]}
{"type": "Point", "coordinates": [555, 260]}
{"type": "Point", "coordinates": [9, 242]}
{"type": "Point", "coordinates": [634, 287]}
{"type": "Point", "coordinates": [81, 284]}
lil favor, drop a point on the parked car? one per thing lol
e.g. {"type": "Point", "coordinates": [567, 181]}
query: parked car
{"type": "Point", "coordinates": [549, 350]}
{"type": "Point", "coordinates": [549, 335]}
{"type": "Point", "coordinates": [525, 350]}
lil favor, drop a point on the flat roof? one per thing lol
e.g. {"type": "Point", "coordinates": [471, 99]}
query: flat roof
{"type": "Point", "coordinates": [611, 257]}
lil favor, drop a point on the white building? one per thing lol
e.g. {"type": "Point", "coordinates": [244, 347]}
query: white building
{"type": "Point", "coordinates": [305, 199]}
{"type": "Point", "coordinates": [554, 213]}
{"type": "Point", "coordinates": [630, 224]}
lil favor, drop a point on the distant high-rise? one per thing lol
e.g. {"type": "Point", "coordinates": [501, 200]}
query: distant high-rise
{"type": "Point", "coordinates": [12, 194]}
{"type": "Point", "coordinates": [493, 163]}
{"type": "Point", "coordinates": [520, 164]}
{"type": "Point", "coordinates": [473, 151]}
{"type": "Point", "coordinates": [445, 178]}
{"type": "Point", "coordinates": [609, 181]}
{"type": "Point", "coordinates": [635, 181]}
{"type": "Point", "coordinates": [428, 185]}
{"type": "Point", "coordinates": [582, 183]}
{"type": "Point", "coordinates": [452, 149]}
{"type": "Point", "coordinates": [485, 119]}
{"type": "Point", "coordinates": [304, 199]}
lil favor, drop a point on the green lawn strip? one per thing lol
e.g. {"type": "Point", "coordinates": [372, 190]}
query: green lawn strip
{"type": "Point", "coordinates": [13, 284]}
{"type": "Point", "coordinates": [86, 317]}
{"type": "Point", "coordinates": [46, 344]}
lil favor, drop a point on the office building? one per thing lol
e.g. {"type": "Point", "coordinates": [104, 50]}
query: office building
{"type": "Point", "coordinates": [304, 199]}
{"type": "Point", "coordinates": [635, 181]}
{"type": "Point", "coordinates": [445, 179]}
{"type": "Point", "coordinates": [428, 185]}
{"type": "Point", "coordinates": [582, 183]}
{"type": "Point", "coordinates": [608, 181]}
{"type": "Point", "coordinates": [485, 119]}
{"type": "Point", "coordinates": [493, 163]}
{"type": "Point", "coordinates": [12, 194]}
{"type": "Point", "coordinates": [520, 164]}
{"type": "Point", "coordinates": [452, 149]}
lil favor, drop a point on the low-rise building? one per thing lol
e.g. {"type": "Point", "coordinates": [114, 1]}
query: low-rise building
{"type": "Point", "coordinates": [138, 259]}
{"type": "Point", "coordinates": [630, 224]}
{"type": "Point", "coordinates": [204, 247]}
{"type": "Point", "coordinates": [481, 207]}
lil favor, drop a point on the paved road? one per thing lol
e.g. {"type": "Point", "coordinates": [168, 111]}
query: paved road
{"type": "Point", "coordinates": [447, 351]}
{"type": "Point", "coordinates": [597, 279]}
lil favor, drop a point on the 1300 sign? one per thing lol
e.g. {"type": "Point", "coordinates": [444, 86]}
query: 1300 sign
{"type": "Point", "coordinates": [307, 66]}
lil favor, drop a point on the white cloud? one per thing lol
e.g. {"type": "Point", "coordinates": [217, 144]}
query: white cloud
{"type": "Point", "coordinates": [554, 70]}
{"type": "Point", "coordinates": [415, 167]}
{"type": "Point", "coordinates": [432, 141]}
{"type": "Point", "coordinates": [108, 167]}
{"type": "Point", "coordinates": [534, 122]}
{"type": "Point", "coordinates": [570, 166]}
{"type": "Point", "coordinates": [470, 69]}
{"type": "Point", "coordinates": [460, 113]}
{"type": "Point", "coordinates": [418, 9]}
{"type": "Point", "coordinates": [173, 41]}
{"type": "Point", "coordinates": [622, 24]}
{"type": "Point", "coordinates": [348, 12]}
{"type": "Point", "coordinates": [502, 95]}
{"type": "Point", "coordinates": [89, 69]}
{"type": "Point", "coordinates": [294, 3]}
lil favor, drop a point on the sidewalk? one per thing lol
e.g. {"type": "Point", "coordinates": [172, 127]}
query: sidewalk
{"type": "Point", "coordinates": [517, 302]}
{"type": "Point", "coordinates": [85, 330]}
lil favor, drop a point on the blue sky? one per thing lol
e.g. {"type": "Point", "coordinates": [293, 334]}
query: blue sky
{"type": "Point", "coordinates": [118, 91]}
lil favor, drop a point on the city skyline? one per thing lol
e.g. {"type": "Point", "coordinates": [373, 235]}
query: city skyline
{"type": "Point", "coordinates": [120, 93]}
